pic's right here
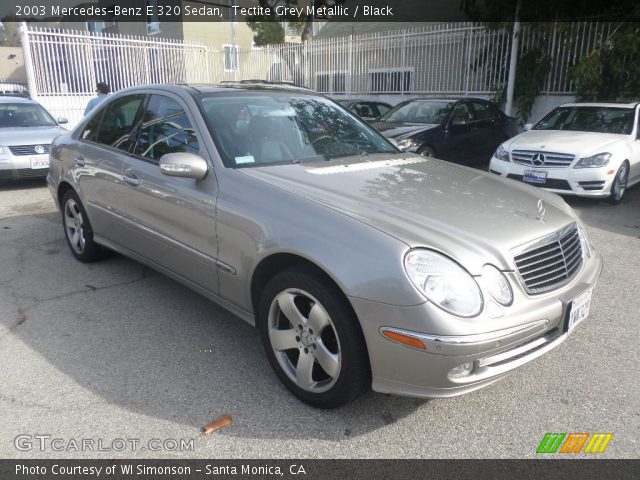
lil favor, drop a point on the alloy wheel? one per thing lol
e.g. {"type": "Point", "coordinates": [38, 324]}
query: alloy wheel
{"type": "Point", "coordinates": [74, 225]}
{"type": "Point", "coordinates": [304, 340]}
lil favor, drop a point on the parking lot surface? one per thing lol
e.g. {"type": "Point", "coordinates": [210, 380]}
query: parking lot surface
{"type": "Point", "coordinates": [113, 350]}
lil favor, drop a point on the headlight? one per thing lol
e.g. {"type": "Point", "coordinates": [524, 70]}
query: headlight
{"type": "Point", "coordinates": [444, 282]}
{"type": "Point", "coordinates": [409, 145]}
{"type": "Point", "coordinates": [497, 285]}
{"type": "Point", "coordinates": [502, 154]}
{"type": "Point", "coordinates": [599, 160]}
{"type": "Point", "coordinates": [584, 242]}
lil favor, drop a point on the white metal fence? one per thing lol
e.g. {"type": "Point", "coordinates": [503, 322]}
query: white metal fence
{"type": "Point", "coordinates": [435, 59]}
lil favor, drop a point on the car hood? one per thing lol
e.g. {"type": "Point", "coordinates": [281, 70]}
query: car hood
{"type": "Point", "coordinates": [471, 215]}
{"type": "Point", "coordinates": [577, 143]}
{"type": "Point", "coordinates": [400, 130]}
{"type": "Point", "coordinates": [29, 135]}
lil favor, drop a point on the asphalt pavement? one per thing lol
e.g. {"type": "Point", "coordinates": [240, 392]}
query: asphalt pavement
{"type": "Point", "coordinates": [115, 351]}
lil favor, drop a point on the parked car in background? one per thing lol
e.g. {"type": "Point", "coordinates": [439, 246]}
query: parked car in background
{"type": "Point", "coordinates": [14, 89]}
{"type": "Point", "coordinates": [585, 149]}
{"type": "Point", "coordinates": [465, 131]}
{"type": "Point", "coordinates": [26, 133]}
{"type": "Point", "coordinates": [361, 266]}
{"type": "Point", "coordinates": [366, 109]}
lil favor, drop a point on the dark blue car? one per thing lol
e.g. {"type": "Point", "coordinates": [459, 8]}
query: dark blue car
{"type": "Point", "coordinates": [465, 131]}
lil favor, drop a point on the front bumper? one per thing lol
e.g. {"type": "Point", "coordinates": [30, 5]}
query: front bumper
{"type": "Point", "coordinates": [532, 326]}
{"type": "Point", "coordinates": [585, 182]}
{"type": "Point", "coordinates": [16, 167]}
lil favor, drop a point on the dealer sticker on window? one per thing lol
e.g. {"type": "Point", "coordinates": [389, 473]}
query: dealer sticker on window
{"type": "Point", "coordinates": [535, 176]}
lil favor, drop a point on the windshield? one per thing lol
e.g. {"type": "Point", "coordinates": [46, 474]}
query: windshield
{"type": "Point", "coordinates": [258, 128]}
{"type": "Point", "coordinates": [589, 119]}
{"type": "Point", "coordinates": [418, 112]}
{"type": "Point", "coordinates": [24, 115]}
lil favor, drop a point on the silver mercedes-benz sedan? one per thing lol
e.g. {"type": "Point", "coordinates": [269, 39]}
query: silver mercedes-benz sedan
{"type": "Point", "coordinates": [361, 266]}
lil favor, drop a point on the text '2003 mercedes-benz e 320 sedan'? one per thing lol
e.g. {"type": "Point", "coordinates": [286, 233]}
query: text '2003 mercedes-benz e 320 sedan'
{"type": "Point", "coordinates": [360, 265]}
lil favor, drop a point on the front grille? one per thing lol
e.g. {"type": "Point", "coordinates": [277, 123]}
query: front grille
{"type": "Point", "coordinates": [550, 262]}
{"type": "Point", "coordinates": [554, 183]}
{"type": "Point", "coordinates": [32, 173]}
{"type": "Point", "coordinates": [549, 159]}
{"type": "Point", "coordinates": [22, 150]}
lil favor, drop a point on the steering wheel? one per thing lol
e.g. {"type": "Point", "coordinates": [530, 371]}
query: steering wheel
{"type": "Point", "coordinates": [315, 140]}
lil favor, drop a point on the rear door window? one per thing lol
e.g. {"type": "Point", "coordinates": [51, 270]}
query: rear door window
{"type": "Point", "coordinates": [118, 121]}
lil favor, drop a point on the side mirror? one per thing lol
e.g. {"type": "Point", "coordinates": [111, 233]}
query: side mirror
{"type": "Point", "coordinates": [528, 126]}
{"type": "Point", "coordinates": [182, 164]}
{"type": "Point", "coordinates": [62, 120]}
{"type": "Point", "coordinates": [456, 122]}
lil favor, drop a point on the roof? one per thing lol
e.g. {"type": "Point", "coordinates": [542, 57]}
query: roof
{"type": "Point", "coordinates": [343, 29]}
{"type": "Point", "coordinates": [602, 104]}
{"type": "Point", "coordinates": [225, 87]}
{"type": "Point", "coordinates": [15, 99]}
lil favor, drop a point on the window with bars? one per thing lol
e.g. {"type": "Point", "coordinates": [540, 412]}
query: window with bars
{"type": "Point", "coordinates": [231, 58]}
{"type": "Point", "coordinates": [391, 80]}
{"type": "Point", "coordinates": [331, 82]}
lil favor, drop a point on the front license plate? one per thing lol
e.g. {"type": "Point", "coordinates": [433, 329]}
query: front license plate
{"type": "Point", "coordinates": [39, 162]}
{"type": "Point", "coordinates": [535, 176]}
{"type": "Point", "coordinates": [579, 309]}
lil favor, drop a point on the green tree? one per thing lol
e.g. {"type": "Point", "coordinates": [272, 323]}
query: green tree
{"type": "Point", "coordinates": [266, 32]}
{"type": "Point", "coordinates": [611, 72]}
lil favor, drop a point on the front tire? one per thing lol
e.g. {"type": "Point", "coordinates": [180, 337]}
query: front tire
{"type": "Point", "coordinates": [426, 151]}
{"type": "Point", "coordinates": [313, 339]}
{"type": "Point", "coordinates": [77, 230]}
{"type": "Point", "coordinates": [619, 185]}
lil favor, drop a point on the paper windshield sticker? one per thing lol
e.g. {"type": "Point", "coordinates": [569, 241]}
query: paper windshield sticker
{"type": "Point", "coordinates": [245, 159]}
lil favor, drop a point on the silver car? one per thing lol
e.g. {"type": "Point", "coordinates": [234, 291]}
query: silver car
{"type": "Point", "coordinates": [361, 266]}
{"type": "Point", "coordinates": [26, 132]}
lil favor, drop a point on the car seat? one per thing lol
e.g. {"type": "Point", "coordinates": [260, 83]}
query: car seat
{"type": "Point", "coordinates": [265, 145]}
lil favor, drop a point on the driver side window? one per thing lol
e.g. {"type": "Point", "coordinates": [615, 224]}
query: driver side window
{"type": "Point", "coordinates": [165, 129]}
{"type": "Point", "coordinates": [462, 113]}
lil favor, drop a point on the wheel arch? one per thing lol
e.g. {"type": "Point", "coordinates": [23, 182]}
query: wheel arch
{"type": "Point", "coordinates": [63, 188]}
{"type": "Point", "coordinates": [277, 262]}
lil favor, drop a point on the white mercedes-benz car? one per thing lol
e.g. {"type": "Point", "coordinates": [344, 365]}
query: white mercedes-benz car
{"type": "Point", "coordinates": [586, 149]}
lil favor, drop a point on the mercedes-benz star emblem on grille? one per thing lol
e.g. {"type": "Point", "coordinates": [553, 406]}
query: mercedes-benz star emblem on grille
{"type": "Point", "coordinates": [538, 159]}
{"type": "Point", "coordinates": [541, 211]}
{"type": "Point", "coordinates": [39, 149]}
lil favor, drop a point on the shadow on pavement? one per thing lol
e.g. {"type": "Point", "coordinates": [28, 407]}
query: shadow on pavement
{"type": "Point", "coordinates": [146, 344]}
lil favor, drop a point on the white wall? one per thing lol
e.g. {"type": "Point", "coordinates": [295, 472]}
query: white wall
{"type": "Point", "coordinates": [545, 103]}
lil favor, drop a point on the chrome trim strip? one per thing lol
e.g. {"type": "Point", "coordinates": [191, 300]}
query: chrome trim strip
{"type": "Point", "coordinates": [514, 352]}
{"type": "Point", "coordinates": [457, 340]}
{"type": "Point", "coordinates": [125, 218]}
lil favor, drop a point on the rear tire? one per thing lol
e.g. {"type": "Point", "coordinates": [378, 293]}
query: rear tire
{"type": "Point", "coordinates": [619, 185]}
{"type": "Point", "coordinates": [313, 339]}
{"type": "Point", "coordinates": [77, 230]}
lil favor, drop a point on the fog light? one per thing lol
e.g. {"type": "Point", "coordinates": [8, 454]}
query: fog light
{"type": "Point", "coordinates": [461, 370]}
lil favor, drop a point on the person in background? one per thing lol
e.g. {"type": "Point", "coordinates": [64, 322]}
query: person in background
{"type": "Point", "coordinates": [103, 90]}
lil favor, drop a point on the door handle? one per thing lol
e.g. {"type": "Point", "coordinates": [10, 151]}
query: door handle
{"type": "Point", "coordinates": [79, 161]}
{"type": "Point", "coordinates": [131, 179]}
